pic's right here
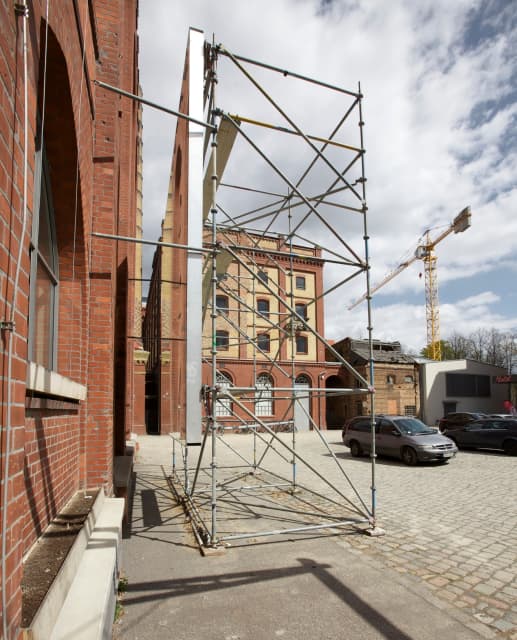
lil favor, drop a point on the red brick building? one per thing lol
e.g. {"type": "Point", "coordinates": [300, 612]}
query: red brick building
{"type": "Point", "coordinates": [258, 341]}
{"type": "Point", "coordinates": [261, 342]}
{"type": "Point", "coordinates": [69, 167]}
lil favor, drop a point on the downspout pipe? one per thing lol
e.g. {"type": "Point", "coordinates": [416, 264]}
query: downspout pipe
{"type": "Point", "coordinates": [8, 326]}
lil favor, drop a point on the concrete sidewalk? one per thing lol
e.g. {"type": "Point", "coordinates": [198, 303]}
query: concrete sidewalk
{"type": "Point", "coordinates": [311, 587]}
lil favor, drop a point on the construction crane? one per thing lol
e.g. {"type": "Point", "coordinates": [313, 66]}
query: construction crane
{"type": "Point", "coordinates": [425, 252]}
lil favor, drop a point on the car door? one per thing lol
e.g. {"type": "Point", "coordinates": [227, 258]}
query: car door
{"type": "Point", "coordinates": [359, 429]}
{"type": "Point", "coordinates": [478, 434]}
{"type": "Point", "coordinates": [493, 433]}
{"type": "Point", "coordinates": [388, 443]}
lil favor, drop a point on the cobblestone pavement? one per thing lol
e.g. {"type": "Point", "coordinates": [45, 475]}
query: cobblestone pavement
{"type": "Point", "coordinates": [455, 528]}
{"type": "Point", "coordinates": [452, 528]}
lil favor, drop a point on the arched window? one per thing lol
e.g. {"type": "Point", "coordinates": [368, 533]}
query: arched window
{"type": "Point", "coordinates": [222, 340]}
{"type": "Point", "coordinates": [302, 403]}
{"type": "Point", "coordinates": [264, 342]}
{"type": "Point", "coordinates": [223, 406]}
{"type": "Point", "coordinates": [263, 307]}
{"type": "Point", "coordinates": [390, 379]}
{"type": "Point", "coordinates": [264, 395]}
{"type": "Point", "coordinates": [44, 276]}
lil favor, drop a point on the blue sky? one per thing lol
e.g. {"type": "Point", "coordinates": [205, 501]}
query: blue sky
{"type": "Point", "coordinates": [440, 82]}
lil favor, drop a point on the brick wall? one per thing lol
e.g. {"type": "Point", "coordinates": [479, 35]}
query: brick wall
{"type": "Point", "coordinates": [60, 445]}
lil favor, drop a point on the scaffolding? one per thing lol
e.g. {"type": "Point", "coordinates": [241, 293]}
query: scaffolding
{"type": "Point", "coordinates": [258, 229]}
{"type": "Point", "coordinates": [273, 224]}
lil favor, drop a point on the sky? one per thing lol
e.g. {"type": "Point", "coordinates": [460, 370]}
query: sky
{"type": "Point", "coordinates": [439, 81]}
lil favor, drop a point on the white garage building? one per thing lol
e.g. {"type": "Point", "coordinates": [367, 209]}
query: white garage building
{"type": "Point", "coordinates": [460, 385]}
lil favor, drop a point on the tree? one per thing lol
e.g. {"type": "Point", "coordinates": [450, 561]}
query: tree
{"type": "Point", "coordinates": [484, 345]}
{"type": "Point", "coordinates": [460, 346]}
{"type": "Point", "coordinates": [447, 353]}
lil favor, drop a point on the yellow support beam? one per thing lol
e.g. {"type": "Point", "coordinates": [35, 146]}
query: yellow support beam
{"type": "Point", "coordinates": [275, 127]}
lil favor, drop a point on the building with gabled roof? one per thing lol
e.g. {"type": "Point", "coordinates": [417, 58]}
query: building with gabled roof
{"type": "Point", "coordinates": [396, 380]}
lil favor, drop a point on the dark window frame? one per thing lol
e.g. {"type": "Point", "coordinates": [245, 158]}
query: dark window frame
{"type": "Point", "coordinates": [299, 339]}
{"type": "Point", "coordinates": [467, 385]}
{"type": "Point", "coordinates": [223, 308]}
{"type": "Point", "coordinates": [222, 340]}
{"type": "Point", "coordinates": [263, 276]}
{"type": "Point", "coordinates": [300, 283]}
{"type": "Point", "coordinates": [264, 342]}
{"type": "Point", "coordinates": [264, 313]}
{"type": "Point", "coordinates": [48, 265]}
{"type": "Point", "coordinates": [301, 306]}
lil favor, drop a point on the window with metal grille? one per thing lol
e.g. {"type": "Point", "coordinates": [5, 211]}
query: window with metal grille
{"type": "Point", "coordinates": [223, 406]}
{"type": "Point", "coordinates": [410, 410]}
{"type": "Point", "coordinates": [264, 395]}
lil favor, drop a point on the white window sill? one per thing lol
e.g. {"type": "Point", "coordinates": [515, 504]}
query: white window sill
{"type": "Point", "coordinates": [44, 381]}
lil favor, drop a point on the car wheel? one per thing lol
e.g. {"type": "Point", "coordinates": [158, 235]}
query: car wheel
{"type": "Point", "coordinates": [355, 449]}
{"type": "Point", "coordinates": [409, 456]}
{"type": "Point", "coordinates": [510, 447]}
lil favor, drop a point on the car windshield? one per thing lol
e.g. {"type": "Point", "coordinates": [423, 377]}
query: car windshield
{"type": "Point", "coordinates": [413, 427]}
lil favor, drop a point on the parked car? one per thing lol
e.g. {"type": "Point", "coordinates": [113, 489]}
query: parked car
{"type": "Point", "coordinates": [402, 437]}
{"type": "Point", "coordinates": [487, 433]}
{"type": "Point", "coordinates": [458, 420]}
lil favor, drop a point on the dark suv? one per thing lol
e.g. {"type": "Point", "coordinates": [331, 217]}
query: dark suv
{"type": "Point", "coordinates": [487, 433]}
{"type": "Point", "coordinates": [458, 420]}
{"type": "Point", "coordinates": [402, 437]}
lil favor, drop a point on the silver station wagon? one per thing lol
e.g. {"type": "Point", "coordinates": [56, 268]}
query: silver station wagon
{"type": "Point", "coordinates": [401, 437]}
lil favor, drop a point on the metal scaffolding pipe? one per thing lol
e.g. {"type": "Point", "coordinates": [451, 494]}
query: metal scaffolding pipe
{"type": "Point", "coordinates": [154, 105]}
{"type": "Point", "coordinates": [287, 73]}
{"type": "Point", "coordinates": [154, 243]}
{"type": "Point", "coordinates": [311, 527]}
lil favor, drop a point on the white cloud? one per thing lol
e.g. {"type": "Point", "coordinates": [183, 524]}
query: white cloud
{"type": "Point", "coordinates": [438, 113]}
